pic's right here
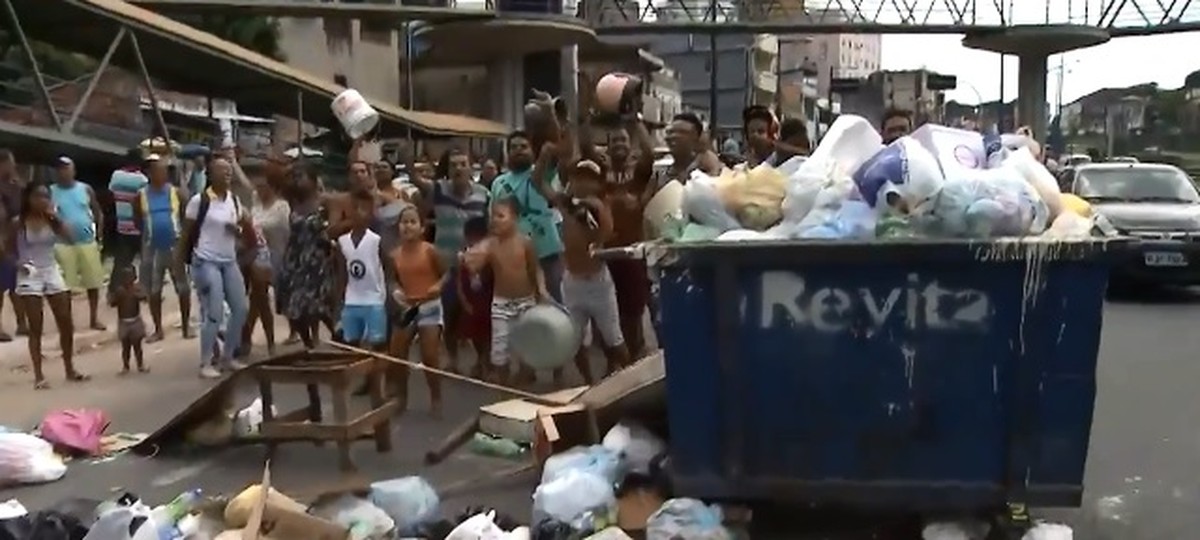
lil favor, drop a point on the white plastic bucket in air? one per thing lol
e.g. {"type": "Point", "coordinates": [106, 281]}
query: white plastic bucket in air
{"type": "Point", "coordinates": [356, 115]}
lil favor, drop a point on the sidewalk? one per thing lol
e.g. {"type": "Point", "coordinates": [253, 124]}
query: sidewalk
{"type": "Point", "coordinates": [16, 353]}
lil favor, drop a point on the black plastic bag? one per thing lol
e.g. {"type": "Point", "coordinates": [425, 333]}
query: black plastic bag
{"type": "Point", "coordinates": [549, 529]}
{"type": "Point", "coordinates": [44, 525]}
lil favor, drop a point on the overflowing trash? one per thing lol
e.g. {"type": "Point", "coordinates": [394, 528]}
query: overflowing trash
{"type": "Point", "coordinates": [938, 182]}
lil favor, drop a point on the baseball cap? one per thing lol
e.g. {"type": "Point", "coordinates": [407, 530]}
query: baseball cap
{"type": "Point", "coordinates": [63, 161]}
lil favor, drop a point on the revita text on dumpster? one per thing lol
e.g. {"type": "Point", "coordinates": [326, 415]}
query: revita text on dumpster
{"type": "Point", "coordinates": [920, 304]}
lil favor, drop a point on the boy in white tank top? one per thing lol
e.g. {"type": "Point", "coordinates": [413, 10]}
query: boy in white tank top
{"type": "Point", "coordinates": [364, 317]}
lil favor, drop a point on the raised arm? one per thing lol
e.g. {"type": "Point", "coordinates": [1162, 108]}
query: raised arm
{"type": "Point", "coordinates": [643, 170]}
{"type": "Point", "coordinates": [97, 213]}
{"type": "Point", "coordinates": [541, 172]}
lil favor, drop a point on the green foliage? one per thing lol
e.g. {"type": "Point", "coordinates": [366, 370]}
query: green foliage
{"type": "Point", "coordinates": [259, 34]}
{"type": "Point", "coordinates": [55, 63]}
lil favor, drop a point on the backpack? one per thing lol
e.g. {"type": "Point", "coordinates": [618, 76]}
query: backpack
{"type": "Point", "coordinates": [193, 236]}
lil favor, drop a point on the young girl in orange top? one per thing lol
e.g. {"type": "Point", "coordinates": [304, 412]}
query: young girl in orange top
{"type": "Point", "coordinates": [419, 280]}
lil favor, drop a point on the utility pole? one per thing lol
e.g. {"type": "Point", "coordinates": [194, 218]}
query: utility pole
{"type": "Point", "coordinates": [712, 74]}
{"type": "Point", "coordinates": [1062, 74]}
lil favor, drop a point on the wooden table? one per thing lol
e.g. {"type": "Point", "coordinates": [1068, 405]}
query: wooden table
{"type": "Point", "coordinates": [340, 371]}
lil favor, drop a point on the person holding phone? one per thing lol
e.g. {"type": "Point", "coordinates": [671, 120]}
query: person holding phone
{"type": "Point", "coordinates": [34, 233]}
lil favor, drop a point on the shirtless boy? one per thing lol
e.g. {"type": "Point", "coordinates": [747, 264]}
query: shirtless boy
{"type": "Point", "coordinates": [517, 284]}
{"type": "Point", "coordinates": [588, 290]}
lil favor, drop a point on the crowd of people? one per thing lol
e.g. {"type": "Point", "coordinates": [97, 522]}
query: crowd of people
{"type": "Point", "coordinates": [451, 263]}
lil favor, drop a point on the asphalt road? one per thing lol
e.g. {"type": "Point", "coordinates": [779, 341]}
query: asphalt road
{"type": "Point", "coordinates": [1141, 480]}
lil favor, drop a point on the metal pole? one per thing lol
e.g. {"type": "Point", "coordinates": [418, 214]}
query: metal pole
{"type": "Point", "coordinates": [409, 87]}
{"type": "Point", "coordinates": [91, 87]}
{"type": "Point", "coordinates": [158, 117]}
{"type": "Point", "coordinates": [299, 125]}
{"type": "Point", "coordinates": [712, 84]}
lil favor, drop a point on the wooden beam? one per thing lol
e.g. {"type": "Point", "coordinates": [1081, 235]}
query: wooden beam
{"type": "Point", "coordinates": [390, 14]}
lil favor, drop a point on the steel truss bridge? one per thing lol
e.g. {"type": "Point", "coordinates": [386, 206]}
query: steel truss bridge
{"type": "Point", "coordinates": [1117, 17]}
{"type": "Point", "coordinates": [617, 17]}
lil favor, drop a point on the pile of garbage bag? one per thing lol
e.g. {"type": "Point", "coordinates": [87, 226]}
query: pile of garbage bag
{"type": "Point", "coordinates": [938, 182]}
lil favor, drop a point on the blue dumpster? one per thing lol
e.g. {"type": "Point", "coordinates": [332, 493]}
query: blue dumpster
{"type": "Point", "coordinates": [913, 375]}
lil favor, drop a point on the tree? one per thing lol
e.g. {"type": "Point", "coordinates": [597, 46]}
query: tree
{"type": "Point", "coordinates": [259, 34]}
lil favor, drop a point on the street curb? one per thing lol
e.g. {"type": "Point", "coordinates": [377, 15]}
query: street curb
{"type": "Point", "coordinates": [85, 342]}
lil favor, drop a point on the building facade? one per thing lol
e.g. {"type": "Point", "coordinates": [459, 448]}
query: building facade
{"type": "Point", "coordinates": [745, 73]}
{"type": "Point", "coordinates": [368, 57]}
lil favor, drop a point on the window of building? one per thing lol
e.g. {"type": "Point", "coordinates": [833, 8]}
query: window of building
{"type": "Point", "coordinates": [374, 32]}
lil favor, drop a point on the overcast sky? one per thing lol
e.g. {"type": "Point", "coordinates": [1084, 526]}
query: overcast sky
{"type": "Point", "coordinates": [1164, 59]}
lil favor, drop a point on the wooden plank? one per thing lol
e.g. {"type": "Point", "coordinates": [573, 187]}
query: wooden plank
{"type": "Point", "coordinates": [384, 14]}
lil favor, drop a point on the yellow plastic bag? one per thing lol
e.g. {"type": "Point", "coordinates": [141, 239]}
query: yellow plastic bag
{"type": "Point", "coordinates": [753, 197]}
{"type": "Point", "coordinates": [1075, 204]}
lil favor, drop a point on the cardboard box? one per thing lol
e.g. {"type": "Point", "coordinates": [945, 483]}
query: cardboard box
{"type": "Point", "coordinates": [634, 392]}
{"type": "Point", "coordinates": [514, 419]}
{"type": "Point", "coordinates": [272, 522]}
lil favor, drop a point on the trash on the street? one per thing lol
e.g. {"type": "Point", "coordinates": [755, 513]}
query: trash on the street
{"type": "Point", "coordinates": [635, 445]}
{"type": "Point", "coordinates": [27, 459]}
{"type": "Point", "coordinates": [75, 431]}
{"type": "Point", "coordinates": [1049, 531]}
{"type": "Point", "coordinates": [410, 502]}
{"type": "Point", "coordinates": [248, 421]}
{"type": "Point", "coordinates": [955, 530]}
{"type": "Point", "coordinates": [483, 526]}
{"type": "Point", "coordinates": [488, 445]}
{"type": "Point", "coordinates": [364, 520]}
{"type": "Point", "coordinates": [687, 518]}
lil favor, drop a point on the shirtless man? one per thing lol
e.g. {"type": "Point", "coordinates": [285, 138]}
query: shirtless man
{"type": "Point", "coordinates": [588, 290]}
{"type": "Point", "coordinates": [518, 286]}
{"type": "Point", "coordinates": [628, 173]}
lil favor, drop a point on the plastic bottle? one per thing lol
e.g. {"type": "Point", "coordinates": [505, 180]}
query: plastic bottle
{"type": "Point", "coordinates": [487, 445]}
{"type": "Point", "coordinates": [168, 515]}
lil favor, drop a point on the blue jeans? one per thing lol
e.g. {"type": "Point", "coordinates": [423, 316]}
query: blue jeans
{"type": "Point", "coordinates": [219, 283]}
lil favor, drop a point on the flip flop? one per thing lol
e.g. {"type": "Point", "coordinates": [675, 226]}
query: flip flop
{"type": "Point", "coordinates": [78, 377]}
{"type": "Point", "coordinates": [41, 385]}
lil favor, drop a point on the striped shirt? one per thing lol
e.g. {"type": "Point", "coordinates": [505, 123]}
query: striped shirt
{"type": "Point", "coordinates": [125, 185]}
{"type": "Point", "coordinates": [450, 214]}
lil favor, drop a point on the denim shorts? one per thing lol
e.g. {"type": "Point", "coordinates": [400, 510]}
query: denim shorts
{"type": "Point", "coordinates": [364, 324]}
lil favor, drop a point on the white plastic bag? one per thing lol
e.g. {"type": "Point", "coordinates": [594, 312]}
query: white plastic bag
{"type": "Point", "coordinates": [992, 203]}
{"type": "Point", "coordinates": [483, 527]}
{"type": "Point", "coordinates": [954, 530]}
{"type": "Point", "coordinates": [635, 444]}
{"type": "Point", "coordinates": [803, 187]}
{"type": "Point", "coordinates": [124, 523]}
{"type": "Point", "coordinates": [25, 459]}
{"type": "Point", "coordinates": [686, 518]}
{"type": "Point", "coordinates": [904, 168]}
{"type": "Point", "coordinates": [364, 520]}
{"type": "Point", "coordinates": [248, 421]}
{"type": "Point", "coordinates": [703, 203]}
{"type": "Point", "coordinates": [792, 165]}
{"type": "Point", "coordinates": [1049, 531]}
{"type": "Point", "coordinates": [955, 150]}
{"type": "Point", "coordinates": [849, 143]}
{"type": "Point", "coordinates": [1036, 174]}
{"type": "Point", "coordinates": [852, 220]}
{"type": "Point", "coordinates": [410, 501]}
{"type": "Point", "coordinates": [595, 459]}
{"type": "Point", "coordinates": [581, 499]}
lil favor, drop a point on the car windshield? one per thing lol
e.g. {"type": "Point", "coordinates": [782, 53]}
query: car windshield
{"type": "Point", "coordinates": [1136, 184]}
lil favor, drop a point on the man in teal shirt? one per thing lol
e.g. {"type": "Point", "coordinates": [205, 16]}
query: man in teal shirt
{"type": "Point", "coordinates": [538, 218]}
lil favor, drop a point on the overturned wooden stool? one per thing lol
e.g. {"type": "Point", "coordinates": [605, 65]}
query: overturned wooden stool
{"type": "Point", "coordinates": [340, 371]}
